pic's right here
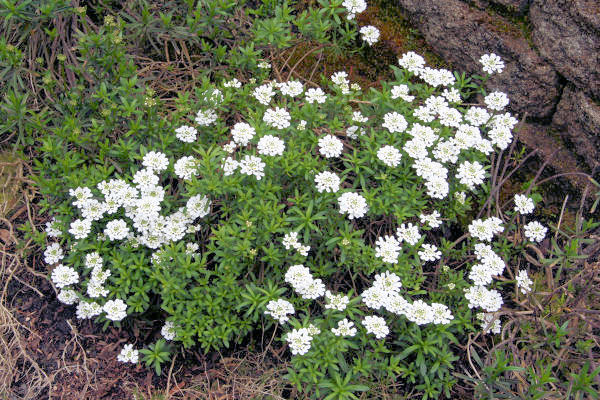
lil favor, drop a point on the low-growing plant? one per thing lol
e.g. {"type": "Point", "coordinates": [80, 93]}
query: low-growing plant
{"type": "Point", "coordinates": [349, 199]}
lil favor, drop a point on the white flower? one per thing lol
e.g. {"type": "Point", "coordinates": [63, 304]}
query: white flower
{"type": "Point", "coordinates": [186, 134]}
{"type": "Point", "coordinates": [402, 91]}
{"type": "Point", "coordinates": [327, 182]}
{"type": "Point", "coordinates": [52, 228]}
{"type": "Point", "coordinates": [299, 341]}
{"type": "Point", "coordinates": [491, 63]}
{"type": "Point", "coordinates": [429, 252]}
{"type": "Point", "coordinates": [252, 165]}
{"type": "Point", "coordinates": [279, 310]}
{"type": "Point", "coordinates": [523, 282]}
{"type": "Point", "coordinates": [488, 299]}
{"type": "Point", "coordinates": [394, 122]}
{"type": "Point", "coordinates": [354, 6]}
{"type": "Point", "coordinates": [387, 248]}
{"type": "Point", "coordinates": [535, 231]}
{"type": "Point", "coordinates": [452, 95]}
{"type": "Point", "coordinates": [270, 146]}
{"type": "Point", "coordinates": [477, 116]}
{"type": "Point", "coordinates": [412, 62]}
{"type": "Point", "coordinates": [408, 233]}
{"type": "Point", "coordinates": [68, 297]}
{"type": "Point", "coordinates": [489, 323]}
{"type": "Point", "coordinates": [64, 276]}
{"type": "Point", "coordinates": [370, 34]}
{"type": "Point", "coordinates": [234, 83]}
{"type": "Point", "coordinates": [53, 253]}
{"type": "Point", "coordinates": [420, 313]}
{"type": "Point", "coordinates": [242, 133]}
{"type": "Point", "coordinates": [389, 155]}
{"type": "Point", "coordinates": [229, 166]}
{"type": "Point", "coordinates": [264, 65]}
{"type": "Point", "coordinates": [441, 314]}
{"type": "Point", "coordinates": [336, 301]}
{"type": "Point", "coordinates": [264, 93]}
{"type": "Point", "coordinates": [387, 282]}
{"type": "Point", "coordinates": [115, 310]}
{"type": "Point", "coordinates": [330, 146]}
{"type": "Point", "coordinates": [315, 95]}
{"type": "Point", "coordinates": [344, 328]}
{"type": "Point", "coordinates": [485, 229]}
{"type": "Point", "coordinates": [168, 330]}
{"type": "Point", "coordinates": [197, 206]}
{"type": "Point", "coordinates": [470, 174]}
{"type": "Point", "coordinates": [155, 161]}
{"type": "Point", "coordinates": [433, 219]}
{"type": "Point", "coordinates": [116, 229]}
{"type": "Point", "coordinates": [80, 228]}
{"type": "Point", "coordinates": [291, 88]}
{"type": "Point", "coordinates": [277, 118]}
{"type": "Point", "coordinates": [128, 354]}
{"type": "Point", "coordinates": [376, 325]}
{"type": "Point", "coordinates": [496, 101]}
{"type": "Point", "coordinates": [523, 204]}
{"type": "Point", "coordinates": [87, 310]}
{"type": "Point", "coordinates": [353, 204]}
{"type": "Point", "coordinates": [206, 117]}
{"type": "Point", "coordinates": [185, 167]}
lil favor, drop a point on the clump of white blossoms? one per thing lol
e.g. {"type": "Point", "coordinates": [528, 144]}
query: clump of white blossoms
{"type": "Point", "coordinates": [242, 133]}
{"type": "Point", "coordinates": [370, 34]}
{"type": "Point", "coordinates": [376, 325]}
{"type": "Point", "coordinates": [277, 118]}
{"type": "Point", "coordinates": [353, 204]}
{"type": "Point", "coordinates": [394, 122]}
{"type": "Point", "coordinates": [489, 323]}
{"type": "Point", "coordinates": [344, 328]}
{"type": "Point", "coordinates": [535, 231]}
{"type": "Point", "coordinates": [330, 146]}
{"type": "Point", "coordinates": [336, 301]}
{"type": "Point", "coordinates": [270, 145]}
{"type": "Point", "coordinates": [128, 354]}
{"type": "Point", "coordinates": [523, 282]}
{"type": "Point", "coordinates": [523, 204]}
{"type": "Point", "coordinates": [252, 165]}
{"type": "Point", "coordinates": [389, 155]}
{"type": "Point", "coordinates": [64, 276]}
{"type": "Point", "coordinates": [168, 330]}
{"type": "Point", "coordinates": [299, 341]}
{"type": "Point", "coordinates": [300, 278]}
{"type": "Point", "coordinates": [279, 310]}
{"type": "Point", "coordinates": [53, 253]}
{"type": "Point", "coordinates": [115, 310]}
{"type": "Point", "coordinates": [491, 63]}
{"type": "Point", "coordinates": [327, 182]}
{"type": "Point", "coordinates": [290, 240]}
{"type": "Point", "coordinates": [354, 7]}
{"type": "Point", "coordinates": [186, 134]}
{"type": "Point", "coordinates": [315, 95]}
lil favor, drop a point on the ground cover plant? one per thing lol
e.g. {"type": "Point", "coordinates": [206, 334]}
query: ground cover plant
{"type": "Point", "coordinates": [342, 223]}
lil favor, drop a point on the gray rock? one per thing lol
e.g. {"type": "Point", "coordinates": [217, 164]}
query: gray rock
{"type": "Point", "coordinates": [566, 33]}
{"type": "Point", "coordinates": [578, 119]}
{"type": "Point", "coordinates": [461, 34]}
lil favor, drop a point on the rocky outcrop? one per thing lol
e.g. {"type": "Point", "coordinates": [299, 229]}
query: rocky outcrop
{"type": "Point", "coordinates": [577, 118]}
{"type": "Point", "coordinates": [566, 33]}
{"type": "Point", "coordinates": [557, 44]}
{"type": "Point", "coordinates": [461, 34]}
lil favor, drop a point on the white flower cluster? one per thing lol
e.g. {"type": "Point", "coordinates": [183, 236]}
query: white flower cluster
{"type": "Point", "coordinates": [370, 34]}
{"type": "Point", "coordinates": [485, 229]}
{"type": "Point", "coordinates": [489, 323]}
{"type": "Point", "coordinates": [327, 182]}
{"type": "Point", "coordinates": [489, 266]}
{"type": "Point", "coordinates": [433, 219]}
{"type": "Point", "coordinates": [491, 63]}
{"type": "Point", "coordinates": [279, 310]}
{"type": "Point", "coordinates": [270, 145]}
{"type": "Point", "coordinates": [277, 118]}
{"type": "Point", "coordinates": [302, 281]}
{"type": "Point", "coordinates": [389, 155]}
{"type": "Point", "coordinates": [385, 293]}
{"type": "Point", "coordinates": [330, 146]}
{"type": "Point", "coordinates": [299, 340]}
{"type": "Point", "coordinates": [315, 95]}
{"type": "Point", "coordinates": [290, 240]}
{"type": "Point", "coordinates": [523, 204]}
{"type": "Point", "coordinates": [344, 328]}
{"type": "Point", "coordinates": [353, 204]}
{"type": "Point", "coordinates": [354, 7]}
{"type": "Point", "coordinates": [337, 302]}
{"type": "Point", "coordinates": [535, 231]}
{"type": "Point", "coordinates": [128, 354]}
{"type": "Point", "coordinates": [376, 325]}
{"type": "Point", "coordinates": [402, 92]}
{"type": "Point", "coordinates": [523, 282]}
{"type": "Point", "coordinates": [168, 330]}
